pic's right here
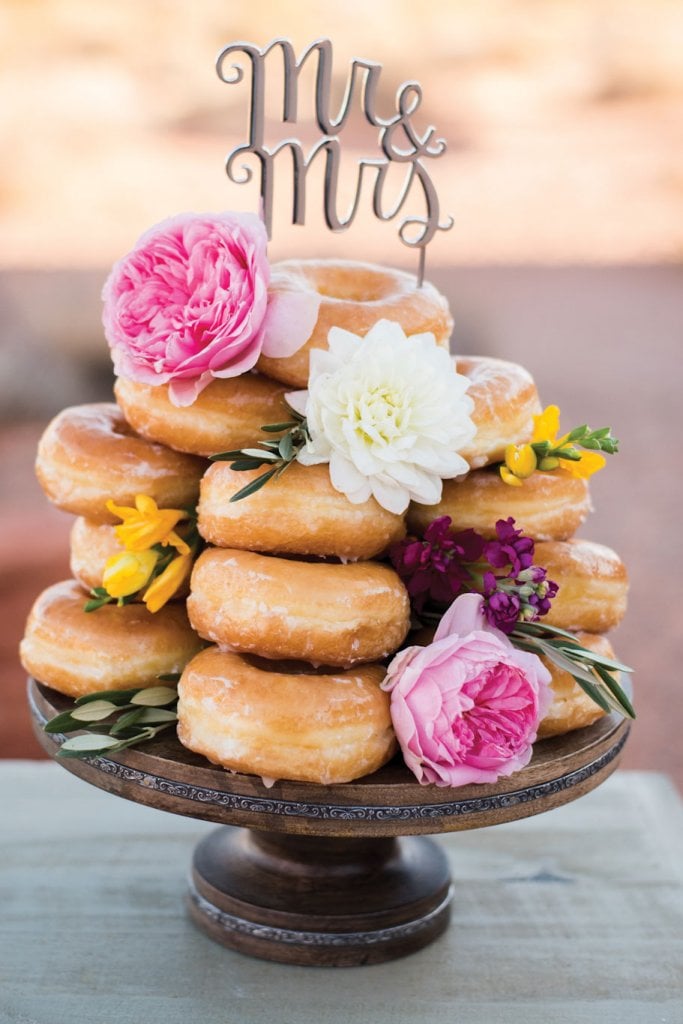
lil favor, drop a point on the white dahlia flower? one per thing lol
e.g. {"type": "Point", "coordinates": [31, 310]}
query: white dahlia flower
{"type": "Point", "coordinates": [388, 413]}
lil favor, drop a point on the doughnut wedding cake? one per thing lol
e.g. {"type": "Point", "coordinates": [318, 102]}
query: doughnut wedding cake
{"type": "Point", "coordinates": [342, 543]}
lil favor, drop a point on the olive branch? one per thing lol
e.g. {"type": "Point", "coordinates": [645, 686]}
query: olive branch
{"type": "Point", "coordinates": [277, 454]}
{"type": "Point", "coordinates": [118, 719]}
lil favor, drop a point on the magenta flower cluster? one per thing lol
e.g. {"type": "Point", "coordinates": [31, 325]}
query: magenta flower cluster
{"type": "Point", "coordinates": [442, 564]}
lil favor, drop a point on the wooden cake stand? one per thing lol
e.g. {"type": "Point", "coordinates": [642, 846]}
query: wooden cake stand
{"type": "Point", "coordinates": [330, 875]}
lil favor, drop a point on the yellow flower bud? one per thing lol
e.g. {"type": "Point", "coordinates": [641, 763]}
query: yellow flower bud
{"type": "Point", "coordinates": [521, 460]}
{"type": "Point", "coordinates": [509, 478]}
{"type": "Point", "coordinates": [167, 583]}
{"type": "Point", "coordinates": [549, 463]}
{"type": "Point", "coordinates": [129, 571]}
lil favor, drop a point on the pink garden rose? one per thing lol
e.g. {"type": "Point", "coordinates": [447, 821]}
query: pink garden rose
{"type": "Point", "coordinates": [190, 302]}
{"type": "Point", "coordinates": [466, 708]}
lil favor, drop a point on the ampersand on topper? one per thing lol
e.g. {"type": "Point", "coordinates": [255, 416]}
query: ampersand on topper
{"type": "Point", "coordinates": [398, 141]}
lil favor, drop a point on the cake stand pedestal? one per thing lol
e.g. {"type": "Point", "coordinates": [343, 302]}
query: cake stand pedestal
{"type": "Point", "coordinates": [330, 875]}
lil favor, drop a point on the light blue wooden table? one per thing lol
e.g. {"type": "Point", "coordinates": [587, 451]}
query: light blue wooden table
{"type": "Point", "coordinates": [573, 916]}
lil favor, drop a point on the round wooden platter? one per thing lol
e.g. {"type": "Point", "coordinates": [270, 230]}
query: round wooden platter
{"type": "Point", "coordinates": [317, 875]}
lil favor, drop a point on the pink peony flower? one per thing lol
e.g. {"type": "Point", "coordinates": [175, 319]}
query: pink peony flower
{"type": "Point", "coordinates": [190, 302]}
{"type": "Point", "coordinates": [466, 708]}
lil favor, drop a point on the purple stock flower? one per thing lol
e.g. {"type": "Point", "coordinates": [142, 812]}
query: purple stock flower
{"type": "Point", "coordinates": [501, 607]}
{"type": "Point", "coordinates": [433, 568]}
{"type": "Point", "coordinates": [441, 565]}
{"type": "Point", "coordinates": [543, 594]}
{"type": "Point", "coordinates": [511, 548]}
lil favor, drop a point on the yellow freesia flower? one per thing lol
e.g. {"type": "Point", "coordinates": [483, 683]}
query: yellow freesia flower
{"type": "Point", "coordinates": [147, 525]}
{"type": "Point", "coordinates": [128, 572]}
{"type": "Point", "coordinates": [547, 427]}
{"type": "Point", "coordinates": [589, 463]}
{"type": "Point", "coordinates": [167, 583]}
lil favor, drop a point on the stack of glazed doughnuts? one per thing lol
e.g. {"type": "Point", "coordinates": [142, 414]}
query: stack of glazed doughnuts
{"type": "Point", "coordinates": [87, 455]}
{"type": "Point", "coordinates": [293, 594]}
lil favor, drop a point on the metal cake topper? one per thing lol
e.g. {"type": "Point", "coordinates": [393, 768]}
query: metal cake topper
{"type": "Point", "coordinates": [398, 141]}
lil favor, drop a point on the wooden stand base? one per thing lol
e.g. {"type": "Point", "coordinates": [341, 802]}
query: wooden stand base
{"type": "Point", "coordinates": [319, 901]}
{"type": "Point", "coordinates": [330, 875]}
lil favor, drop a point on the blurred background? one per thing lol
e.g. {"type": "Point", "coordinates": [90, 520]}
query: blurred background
{"type": "Point", "coordinates": [564, 174]}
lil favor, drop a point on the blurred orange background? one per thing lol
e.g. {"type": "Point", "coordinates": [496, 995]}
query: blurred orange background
{"type": "Point", "coordinates": [564, 175]}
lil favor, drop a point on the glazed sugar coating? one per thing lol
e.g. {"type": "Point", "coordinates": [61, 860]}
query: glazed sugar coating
{"type": "Point", "coordinates": [327, 614]}
{"type": "Point", "coordinates": [282, 722]}
{"type": "Point", "coordinates": [505, 403]}
{"type": "Point", "coordinates": [91, 545]}
{"type": "Point", "coordinates": [354, 296]}
{"type": "Point", "coordinates": [299, 513]}
{"type": "Point", "coordinates": [227, 414]}
{"type": "Point", "coordinates": [593, 584]}
{"type": "Point", "coordinates": [548, 506]}
{"type": "Point", "coordinates": [89, 453]}
{"type": "Point", "coordinates": [77, 652]}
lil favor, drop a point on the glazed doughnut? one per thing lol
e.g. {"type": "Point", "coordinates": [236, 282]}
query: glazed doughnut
{"type": "Point", "coordinates": [78, 652]}
{"type": "Point", "coordinates": [548, 506]}
{"type": "Point", "coordinates": [505, 402]}
{"type": "Point", "coordinates": [89, 453]}
{"type": "Point", "coordinates": [325, 613]}
{"type": "Point", "coordinates": [279, 722]}
{"type": "Point", "coordinates": [572, 708]}
{"type": "Point", "coordinates": [91, 545]}
{"type": "Point", "coordinates": [593, 584]}
{"type": "Point", "coordinates": [299, 513]}
{"type": "Point", "coordinates": [227, 414]}
{"type": "Point", "coordinates": [354, 296]}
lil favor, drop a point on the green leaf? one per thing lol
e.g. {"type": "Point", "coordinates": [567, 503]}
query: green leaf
{"type": "Point", "coordinates": [593, 657]}
{"type": "Point", "coordinates": [170, 677]}
{"type": "Point", "coordinates": [275, 428]}
{"type": "Point", "coordinates": [61, 723]}
{"type": "Point", "coordinates": [578, 432]}
{"type": "Point", "coordinates": [88, 743]}
{"type": "Point", "coordinates": [155, 696]}
{"type": "Point", "coordinates": [583, 677]}
{"type": "Point", "coordinates": [253, 485]}
{"type": "Point", "coordinates": [551, 632]}
{"type": "Point", "coordinates": [617, 691]}
{"type": "Point", "coordinates": [127, 720]}
{"type": "Point", "coordinates": [115, 696]}
{"type": "Point", "coordinates": [225, 456]}
{"type": "Point", "coordinates": [153, 716]}
{"type": "Point", "coordinates": [286, 447]}
{"type": "Point", "coordinates": [96, 602]}
{"type": "Point", "coordinates": [241, 465]}
{"type": "Point", "coordinates": [260, 453]}
{"type": "Point", "coordinates": [94, 711]}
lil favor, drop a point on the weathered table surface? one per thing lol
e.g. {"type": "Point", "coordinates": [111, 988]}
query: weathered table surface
{"type": "Point", "coordinates": [571, 916]}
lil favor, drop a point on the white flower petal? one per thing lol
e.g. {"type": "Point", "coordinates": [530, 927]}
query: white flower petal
{"type": "Point", "coordinates": [345, 477]}
{"type": "Point", "coordinates": [343, 344]}
{"type": "Point", "coordinates": [389, 413]}
{"type": "Point", "coordinates": [389, 495]}
{"type": "Point", "coordinates": [297, 400]}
